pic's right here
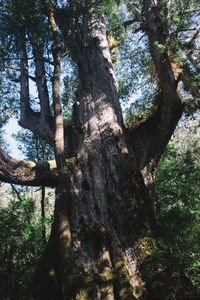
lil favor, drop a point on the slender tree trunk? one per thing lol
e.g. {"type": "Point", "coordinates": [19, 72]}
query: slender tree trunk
{"type": "Point", "coordinates": [43, 214]}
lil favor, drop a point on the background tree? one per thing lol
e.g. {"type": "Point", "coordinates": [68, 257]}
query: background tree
{"type": "Point", "coordinates": [26, 223]}
{"type": "Point", "coordinates": [37, 150]}
{"type": "Point", "coordinates": [103, 172]}
{"type": "Point", "coordinates": [21, 240]}
{"type": "Point", "coordinates": [177, 215]}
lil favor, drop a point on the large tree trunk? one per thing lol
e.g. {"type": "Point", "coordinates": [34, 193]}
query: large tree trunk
{"type": "Point", "coordinates": [104, 172]}
{"type": "Point", "coordinates": [92, 252]}
{"type": "Point", "coordinates": [103, 193]}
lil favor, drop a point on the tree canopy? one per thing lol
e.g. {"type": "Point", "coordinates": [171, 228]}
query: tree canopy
{"type": "Point", "coordinates": [136, 65]}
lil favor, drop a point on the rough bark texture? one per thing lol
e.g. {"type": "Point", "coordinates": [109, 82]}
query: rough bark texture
{"type": "Point", "coordinates": [93, 252]}
{"type": "Point", "coordinates": [103, 202]}
{"type": "Point", "coordinates": [106, 195]}
{"type": "Point", "coordinates": [26, 172]}
{"type": "Point", "coordinates": [35, 121]}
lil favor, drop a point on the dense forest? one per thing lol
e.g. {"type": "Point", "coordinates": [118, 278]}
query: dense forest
{"type": "Point", "coordinates": [108, 96]}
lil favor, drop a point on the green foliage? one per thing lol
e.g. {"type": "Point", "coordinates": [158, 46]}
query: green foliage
{"type": "Point", "coordinates": [180, 23]}
{"type": "Point", "coordinates": [17, 18]}
{"type": "Point", "coordinates": [133, 65]}
{"type": "Point", "coordinates": [9, 105]}
{"type": "Point", "coordinates": [115, 27]}
{"type": "Point", "coordinates": [140, 110]}
{"type": "Point", "coordinates": [33, 147]}
{"type": "Point", "coordinates": [21, 246]}
{"type": "Point", "coordinates": [177, 212]}
{"type": "Point", "coordinates": [69, 93]}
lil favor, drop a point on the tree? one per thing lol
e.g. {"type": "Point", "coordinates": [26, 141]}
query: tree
{"type": "Point", "coordinates": [103, 172]}
{"type": "Point", "coordinates": [21, 240]}
{"type": "Point", "coordinates": [177, 214]}
{"type": "Point", "coordinates": [37, 150]}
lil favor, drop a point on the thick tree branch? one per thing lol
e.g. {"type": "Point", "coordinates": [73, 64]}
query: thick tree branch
{"type": "Point", "coordinates": [27, 173]}
{"type": "Point", "coordinates": [190, 47]}
{"type": "Point", "coordinates": [193, 61]}
{"type": "Point", "coordinates": [24, 83]}
{"type": "Point", "coordinates": [45, 115]}
{"type": "Point", "coordinates": [40, 76]}
{"type": "Point", "coordinates": [29, 119]}
{"type": "Point", "coordinates": [187, 76]}
{"type": "Point", "coordinates": [153, 135]}
{"type": "Point", "coordinates": [158, 49]}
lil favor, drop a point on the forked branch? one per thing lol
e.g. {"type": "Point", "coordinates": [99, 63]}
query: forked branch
{"type": "Point", "coordinates": [40, 76]}
{"type": "Point", "coordinates": [30, 119]}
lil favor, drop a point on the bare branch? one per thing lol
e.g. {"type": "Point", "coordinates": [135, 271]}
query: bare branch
{"type": "Point", "coordinates": [193, 61]}
{"type": "Point", "coordinates": [191, 42]}
{"type": "Point", "coordinates": [48, 61]}
{"type": "Point", "coordinates": [129, 22]}
{"type": "Point", "coordinates": [189, 11]}
{"type": "Point", "coordinates": [190, 47]}
{"type": "Point", "coordinates": [16, 192]}
{"type": "Point", "coordinates": [182, 30]}
{"type": "Point", "coordinates": [32, 78]}
{"type": "Point", "coordinates": [65, 53]}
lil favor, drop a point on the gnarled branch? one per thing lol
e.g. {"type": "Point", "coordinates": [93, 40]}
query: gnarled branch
{"type": "Point", "coordinates": [27, 173]}
{"type": "Point", "coordinates": [152, 136]}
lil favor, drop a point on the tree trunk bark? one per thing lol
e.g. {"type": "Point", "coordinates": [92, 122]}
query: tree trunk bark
{"type": "Point", "coordinates": [103, 196]}
{"type": "Point", "coordinates": [43, 215]}
{"type": "Point", "coordinates": [99, 216]}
